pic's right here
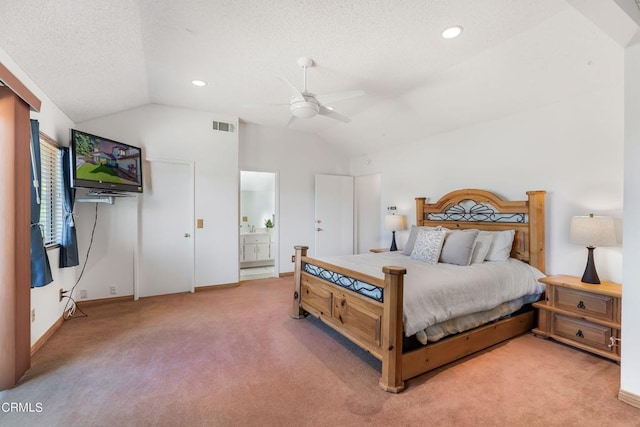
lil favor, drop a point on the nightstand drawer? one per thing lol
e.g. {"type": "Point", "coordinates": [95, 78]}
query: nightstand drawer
{"type": "Point", "coordinates": [583, 332]}
{"type": "Point", "coordinates": [585, 303]}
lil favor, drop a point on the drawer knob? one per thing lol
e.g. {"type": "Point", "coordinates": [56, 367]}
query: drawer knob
{"type": "Point", "coordinates": [581, 305]}
{"type": "Point", "coordinates": [579, 334]}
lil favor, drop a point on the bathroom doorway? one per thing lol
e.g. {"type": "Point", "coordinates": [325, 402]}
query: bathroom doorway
{"type": "Point", "coordinates": [258, 225]}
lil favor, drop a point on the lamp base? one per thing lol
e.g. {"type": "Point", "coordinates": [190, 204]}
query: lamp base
{"type": "Point", "coordinates": [393, 242]}
{"type": "Point", "coordinates": [590, 275]}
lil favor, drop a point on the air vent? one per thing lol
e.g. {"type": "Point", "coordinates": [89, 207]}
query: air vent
{"type": "Point", "coordinates": [223, 127]}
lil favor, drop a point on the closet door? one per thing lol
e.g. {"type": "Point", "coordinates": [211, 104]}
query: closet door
{"type": "Point", "coordinates": [166, 244]}
{"type": "Point", "coordinates": [334, 215]}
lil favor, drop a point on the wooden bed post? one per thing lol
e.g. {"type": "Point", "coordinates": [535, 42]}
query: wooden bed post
{"type": "Point", "coordinates": [420, 201]}
{"type": "Point", "coordinates": [297, 312]}
{"type": "Point", "coordinates": [392, 329]}
{"type": "Point", "coordinates": [536, 229]}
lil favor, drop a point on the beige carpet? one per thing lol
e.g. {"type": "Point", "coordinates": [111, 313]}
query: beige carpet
{"type": "Point", "coordinates": [234, 357]}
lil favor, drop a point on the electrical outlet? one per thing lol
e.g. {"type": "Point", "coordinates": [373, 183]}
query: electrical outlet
{"type": "Point", "coordinates": [60, 295]}
{"type": "Point", "coordinates": [83, 294]}
{"type": "Point", "coordinates": [113, 290]}
{"type": "Point", "coordinates": [33, 315]}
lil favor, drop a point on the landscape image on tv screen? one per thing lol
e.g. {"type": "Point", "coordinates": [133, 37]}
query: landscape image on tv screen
{"type": "Point", "coordinates": [105, 161]}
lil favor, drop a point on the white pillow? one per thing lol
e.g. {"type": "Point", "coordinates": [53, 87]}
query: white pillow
{"type": "Point", "coordinates": [413, 233]}
{"type": "Point", "coordinates": [428, 246]}
{"type": "Point", "coordinates": [501, 244]}
{"type": "Point", "coordinates": [481, 249]}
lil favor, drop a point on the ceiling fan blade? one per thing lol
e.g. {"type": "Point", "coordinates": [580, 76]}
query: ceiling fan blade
{"type": "Point", "coordinates": [294, 90]}
{"type": "Point", "coordinates": [330, 113]}
{"type": "Point", "coordinates": [291, 121]}
{"type": "Point", "coordinates": [330, 98]}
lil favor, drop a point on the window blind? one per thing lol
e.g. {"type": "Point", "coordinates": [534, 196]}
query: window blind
{"type": "Point", "coordinates": [50, 191]}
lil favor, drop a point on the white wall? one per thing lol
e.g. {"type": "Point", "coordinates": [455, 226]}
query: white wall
{"type": "Point", "coordinates": [630, 367]}
{"type": "Point", "coordinates": [180, 134]}
{"type": "Point", "coordinates": [110, 261]}
{"type": "Point", "coordinates": [297, 157]}
{"type": "Point", "coordinates": [56, 124]}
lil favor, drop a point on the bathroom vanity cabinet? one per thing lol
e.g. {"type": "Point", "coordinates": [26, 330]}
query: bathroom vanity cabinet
{"type": "Point", "coordinates": [257, 249]}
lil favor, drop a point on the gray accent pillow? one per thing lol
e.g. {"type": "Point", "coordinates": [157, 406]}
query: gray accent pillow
{"type": "Point", "coordinates": [458, 247]}
{"type": "Point", "coordinates": [411, 241]}
{"type": "Point", "coordinates": [480, 251]}
{"type": "Point", "coordinates": [428, 245]}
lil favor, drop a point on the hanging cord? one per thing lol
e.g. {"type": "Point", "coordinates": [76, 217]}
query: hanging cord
{"type": "Point", "coordinates": [71, 306]}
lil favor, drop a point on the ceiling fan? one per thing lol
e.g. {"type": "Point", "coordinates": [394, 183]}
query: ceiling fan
{"type": "Point", "coordinates": [304, 104]}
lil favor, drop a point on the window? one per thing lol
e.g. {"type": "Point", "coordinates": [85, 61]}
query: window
{"type": "Point", "coordinates": [50, 191]}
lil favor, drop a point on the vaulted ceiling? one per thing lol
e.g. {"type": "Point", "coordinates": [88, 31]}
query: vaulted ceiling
{"type": "Point", "coordinates": [94, 58]}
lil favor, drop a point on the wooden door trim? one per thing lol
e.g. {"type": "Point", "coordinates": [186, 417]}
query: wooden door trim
{"type": "Point", "coordinates": [13, 83]}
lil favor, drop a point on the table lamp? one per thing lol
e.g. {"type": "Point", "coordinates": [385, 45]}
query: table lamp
{"type": "Point", "coordinates": [592, 231]}
{"type": "Point", "coordinates": [394, 223]}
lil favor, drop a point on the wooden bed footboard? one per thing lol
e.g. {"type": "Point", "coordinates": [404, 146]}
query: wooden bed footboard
{"type": "Point", "coordinates": [375, 326]}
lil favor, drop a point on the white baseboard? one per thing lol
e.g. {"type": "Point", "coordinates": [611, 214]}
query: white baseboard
{"type": "Point", "coordinates": [629, 398]}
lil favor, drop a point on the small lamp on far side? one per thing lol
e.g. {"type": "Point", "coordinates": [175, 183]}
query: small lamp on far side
{"type": "Point", "coordinates": [592, 231]}
{"type": "Point", "coordinates": [394, 223]}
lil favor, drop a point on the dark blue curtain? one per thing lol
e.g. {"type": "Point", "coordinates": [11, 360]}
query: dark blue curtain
{"type": "Point", "coordinates": [69, 241]}
{"type": "Point", "coordinates": [40, 268]}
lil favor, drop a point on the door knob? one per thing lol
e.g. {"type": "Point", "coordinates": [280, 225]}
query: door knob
{"type": "Point", "coordinates": [187, 235]}
{"type": "Point", "coordinates": [318, 229]}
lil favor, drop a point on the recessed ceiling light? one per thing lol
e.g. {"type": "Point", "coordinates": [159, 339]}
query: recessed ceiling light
{"type": "Point", "coordinates": [452, 32]}
{"type": "Point", "coordinates": [199, 83]}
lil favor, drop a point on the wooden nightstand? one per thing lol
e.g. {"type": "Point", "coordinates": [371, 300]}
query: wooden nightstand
{"type": "Point", "coordinates": [582, 315]}
{"type": "Point", "coordinates": [380, 250]}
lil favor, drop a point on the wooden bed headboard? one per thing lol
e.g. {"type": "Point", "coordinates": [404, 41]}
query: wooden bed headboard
{"type": "Point", "coordinates": [483, 210]}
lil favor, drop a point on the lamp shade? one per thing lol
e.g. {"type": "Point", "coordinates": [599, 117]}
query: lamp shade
{"type": "Point", "coordinates": [394, 222]}
{"type": "Point", "coordinates": [593, 231]}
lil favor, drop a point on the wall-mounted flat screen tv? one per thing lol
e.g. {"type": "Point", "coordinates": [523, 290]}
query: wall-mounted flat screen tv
{"type": "Point", "coordinates": [103, 164]}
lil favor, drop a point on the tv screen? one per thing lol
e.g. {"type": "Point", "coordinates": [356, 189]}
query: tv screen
{"type": "Point", "coordinates": [102, 164]}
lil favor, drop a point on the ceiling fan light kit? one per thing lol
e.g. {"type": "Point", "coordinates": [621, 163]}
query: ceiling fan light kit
{"type": "Point", "coordinates": [304, 109]}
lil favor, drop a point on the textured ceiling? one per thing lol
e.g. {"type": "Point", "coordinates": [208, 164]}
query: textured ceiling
{"type": "Point", "coordinates": [95, 58]}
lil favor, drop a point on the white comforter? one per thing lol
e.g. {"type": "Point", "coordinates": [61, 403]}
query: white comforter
{"type": "Point", "coordinates": [440, 292]}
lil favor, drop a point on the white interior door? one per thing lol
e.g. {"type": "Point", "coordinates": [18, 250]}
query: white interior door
{"type": "Point", "coordinates": [166, 243]}
{"type": "Point", "coordinates": [334, 215]}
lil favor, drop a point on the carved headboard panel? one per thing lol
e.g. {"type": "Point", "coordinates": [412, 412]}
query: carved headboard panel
{"type": "Point", "coordinates": [483, 210]}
